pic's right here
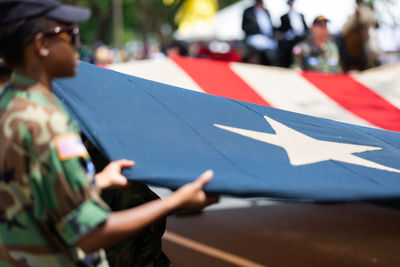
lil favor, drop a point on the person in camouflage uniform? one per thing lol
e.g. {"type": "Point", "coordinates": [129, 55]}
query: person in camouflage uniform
{"type": "Point", "coordinates": [51, 213]}
{"type": "Point", "coordinates": [317, 52]}
{"type": "Point", "coordinates": [44, 190]}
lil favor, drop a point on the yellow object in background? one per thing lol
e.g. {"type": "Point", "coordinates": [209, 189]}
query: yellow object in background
{"type": "Point", "coordinates": [169, 2]}
{"type": "Point", "coordinates": [196, 15]}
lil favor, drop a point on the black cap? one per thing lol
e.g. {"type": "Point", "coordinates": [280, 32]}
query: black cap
{"type": "Point", "coordinates": [14, 10]}
{"type": "Point", "coordinates": [320, 20]}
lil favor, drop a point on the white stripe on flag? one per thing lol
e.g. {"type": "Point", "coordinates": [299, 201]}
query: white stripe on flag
{"type": "Point", "coordinates": [162, 71]}
{"type": "Point", "coordinates": [385, 81]}
{"type": "Point", "coordinates": [286, 89]}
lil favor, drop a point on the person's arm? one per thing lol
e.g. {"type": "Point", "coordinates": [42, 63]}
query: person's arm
{"type": "Point", "coordinates": [123, 224]}
{"type": "Point", "coordinates": [305, 24]}
{"type": "Point", "coordinates": [248, 22]}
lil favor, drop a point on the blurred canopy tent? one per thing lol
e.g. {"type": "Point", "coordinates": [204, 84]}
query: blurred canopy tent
{"type": "Point", "coordinates": [174, 134]}
{"type": "Point", "coordinates": [227, 23]}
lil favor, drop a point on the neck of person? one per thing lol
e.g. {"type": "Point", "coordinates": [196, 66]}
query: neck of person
{"type": "Point", "coordinates": [4, 78]}
{"type": "Point", "coordinates": [320, 42]}
{"type": "Point", "coordinates": [35, 73]}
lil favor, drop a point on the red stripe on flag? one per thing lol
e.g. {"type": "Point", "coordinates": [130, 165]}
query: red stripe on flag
{"type": "Point", "coordinates": [357, 99]}
{"type": "Point", "coordinates": [217, 78]}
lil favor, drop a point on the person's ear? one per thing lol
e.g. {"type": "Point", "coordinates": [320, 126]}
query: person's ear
{"type": "Point", "coordinates": [40, 47]}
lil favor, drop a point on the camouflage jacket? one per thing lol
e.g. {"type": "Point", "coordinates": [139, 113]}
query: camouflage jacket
{"type": "Point", "coordinates": [47, 197]}
{"type": "Point", "coordinates": [308, 56]}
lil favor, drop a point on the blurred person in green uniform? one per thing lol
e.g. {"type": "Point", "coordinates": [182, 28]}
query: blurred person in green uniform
{"type": "Point", "coordinates": [51, 213]}
{"type": "Point", "coordinates": [317, 52]}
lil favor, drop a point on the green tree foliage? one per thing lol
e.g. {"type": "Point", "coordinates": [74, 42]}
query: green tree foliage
{"type": "Point", "coordinates": [225, 3]}
{"type": "Point", "coordinates": [143, 19]}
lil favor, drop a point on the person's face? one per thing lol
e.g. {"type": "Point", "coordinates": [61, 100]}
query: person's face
{"type": "Point", "coordinates": [259, 4]}
{"type": "Point", "coordinates": [320, 31]}
{"type": "Point", "coordinates": [61, 43]}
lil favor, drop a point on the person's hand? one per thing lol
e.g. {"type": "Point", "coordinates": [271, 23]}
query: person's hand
{"type": "Point", "coordinates": [111, 175]}
{"type": "Point", "coordinates": [192, 197]}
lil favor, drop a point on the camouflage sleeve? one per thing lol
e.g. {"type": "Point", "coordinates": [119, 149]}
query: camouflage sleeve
{"type": "Point", "coordinates": [62, 176]}
{"type": "Point", "coordinates": [335, 58]}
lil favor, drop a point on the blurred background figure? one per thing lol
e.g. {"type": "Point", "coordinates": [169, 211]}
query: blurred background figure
{"type": "Point", "coordinates": [317, 52]}
{"type": "Point", "coordinates": [176, 48]}
{"type": "Point", "coordinates": [294, 30]}
{"type": "Point", "coordinates": [154, 52]}
{"type": "Point", "coordinates": [260, 35]}
{"type": "Point", "coordinates": [219, 50]}
{"type": "Point", "coordinates": [102, 56]}
{"type": "Point", "coordinates": [358, 45]}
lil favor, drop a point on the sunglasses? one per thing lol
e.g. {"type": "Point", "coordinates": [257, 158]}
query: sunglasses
{"type": "Point", "coordinates": [72, 31]}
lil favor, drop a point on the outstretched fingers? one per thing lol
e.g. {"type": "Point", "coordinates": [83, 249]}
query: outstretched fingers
{"type": "Point", "coordinates": [124, 163]}
{"type": "Point", "coordinates": [204, 179]}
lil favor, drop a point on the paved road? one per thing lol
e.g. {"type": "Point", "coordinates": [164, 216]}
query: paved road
{"type": "Point", "coordinates": [291, 234]}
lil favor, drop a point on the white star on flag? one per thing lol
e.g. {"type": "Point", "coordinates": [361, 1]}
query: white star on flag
{"type": "Point", "coordinates": [302, 149]}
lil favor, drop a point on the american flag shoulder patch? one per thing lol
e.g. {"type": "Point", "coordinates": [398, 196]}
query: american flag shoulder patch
{"type": "Point", "coordinates": [70, 146]}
